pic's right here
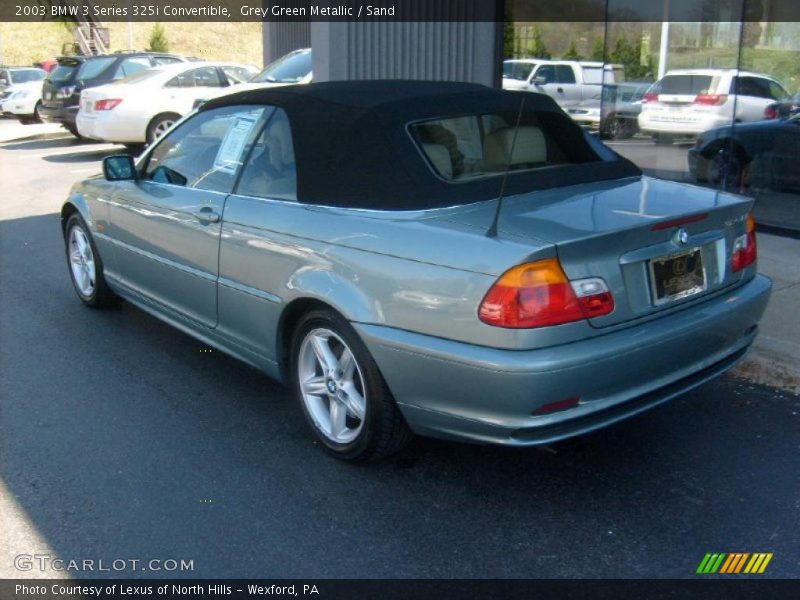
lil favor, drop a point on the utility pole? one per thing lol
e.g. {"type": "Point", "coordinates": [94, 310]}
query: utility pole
{"type": "Point", "coordinates": [663, 47]}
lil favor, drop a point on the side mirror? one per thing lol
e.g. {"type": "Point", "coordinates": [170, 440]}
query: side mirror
{"type": "Point", "coordinates": [119, 167]}
{"type": "Point", "coordinates": [3, 81]}
{"type": "Point", "coordinates": [539, 80]}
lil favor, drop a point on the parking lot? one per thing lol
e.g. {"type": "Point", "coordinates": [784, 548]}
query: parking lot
{"type": "Point", "coordinates": [121, 438]}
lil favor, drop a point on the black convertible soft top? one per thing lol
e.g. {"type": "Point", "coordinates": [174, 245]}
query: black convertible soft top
{"type": "Point", "coordinates": [353, 147]}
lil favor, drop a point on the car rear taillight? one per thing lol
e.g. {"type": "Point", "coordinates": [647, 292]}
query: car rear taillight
{"type": "Point", "coordinates": [649, 97]}
{"type": "Point", "coordinates": [710, 99]}
{"type": "Point", "coordinates": [771, 112]}
{"type": "Point", "coordinates": [538, 294]}
{"type": "Point", "coordinates": [744, 247]}
{"type": "Point", "coordinates": [593, 296]}
{"type": "Point", "coordinates": [107, 103]}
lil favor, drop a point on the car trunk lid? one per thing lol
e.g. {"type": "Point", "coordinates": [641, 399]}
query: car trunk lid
{"type": "Point", "coordinates": [90, 96]}
{"type": "Point", "coordinates": [61, 79]}
{"type": "Point", "coordinates": [679, 98]}
{"type": "Point", "coordinates": [634, 233]}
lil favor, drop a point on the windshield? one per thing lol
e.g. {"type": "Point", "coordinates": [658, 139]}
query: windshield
{"type": "Point", "coordinates": [95, 66]}
{"type": "Point", "coordinates": [517, 70]}
{"type": "Point", "coordinates": [476, 146]}
{"type": "Point", "coordinates": [289, 69]}
{"type": "Point", "coordinates": [25, 75]}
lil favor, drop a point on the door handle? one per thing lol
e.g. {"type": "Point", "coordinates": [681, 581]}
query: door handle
{"type": "Point", "coordinates": [207, 215]}
{"type": "Point", "coordinates": [560, 90]}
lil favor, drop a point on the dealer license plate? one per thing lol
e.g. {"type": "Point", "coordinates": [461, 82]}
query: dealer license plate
{"type": "Point", "coordinates": [677, 276]}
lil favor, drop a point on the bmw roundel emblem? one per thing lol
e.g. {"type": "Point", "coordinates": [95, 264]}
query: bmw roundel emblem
{"type": "Point", "coordinates": [681, 237]}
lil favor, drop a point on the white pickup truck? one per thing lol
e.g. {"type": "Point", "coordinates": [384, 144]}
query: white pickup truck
{"type": "Point", "coordinates": [568, 82]}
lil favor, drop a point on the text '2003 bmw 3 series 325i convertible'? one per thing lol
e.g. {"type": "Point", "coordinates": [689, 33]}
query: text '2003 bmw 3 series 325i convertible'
{"type": "Point", "coordinates": [438, 258]}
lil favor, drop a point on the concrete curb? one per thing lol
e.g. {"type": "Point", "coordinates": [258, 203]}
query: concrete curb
{"type": "Point", "coordinates": [772, 362]}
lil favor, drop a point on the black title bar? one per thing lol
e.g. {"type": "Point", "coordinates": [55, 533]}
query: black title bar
{"type": "Point", "coordinates": [402, 10]}
{"type": "Point", "coordinates": [729, 588]}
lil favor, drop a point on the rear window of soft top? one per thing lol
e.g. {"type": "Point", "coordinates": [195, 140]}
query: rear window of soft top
{"type": "Point", "coordinates": [476, 146]}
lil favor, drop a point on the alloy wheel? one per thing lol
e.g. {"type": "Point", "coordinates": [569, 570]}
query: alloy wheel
{"type": "Point", "coordinates": [332, 386]}
{"type": "Point", "coordinates": [162, 127]}
{"type": "Point", "coordinates": [613, 128]}
{"type": "Point", "coordinates": [81, 261]}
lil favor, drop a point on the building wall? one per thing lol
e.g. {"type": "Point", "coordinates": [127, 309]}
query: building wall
{"type": "Point", "coordinates": [443, 51]}
{"type": "Point", "coordinates": [281, 38]}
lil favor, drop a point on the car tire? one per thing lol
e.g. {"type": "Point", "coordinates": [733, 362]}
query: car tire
{"type": "Point", "coordinates": [159, 125]}
{"type": "Point", "coordinates": [85, 266]}
{"type": "Point", "coordinates": [612, 128]}
{"type": "Point", "coordinates": [37, 113]}
{"type": "Point", "coordinates": [725, 170]}
{"type": "Point", "coordinates": [342, 393]}
{"type": "Point", "coordinates": [628, 129]}
{"type": "Point", "coordinates": [74, 131]}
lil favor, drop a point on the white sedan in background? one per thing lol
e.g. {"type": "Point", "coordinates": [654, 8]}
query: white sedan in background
{"type": "Point", "coordinates": [22, 101]}
{"type": "Point", "coordinates": [140, 108]}
{"type": "Point", "coordinates": [293, 68]}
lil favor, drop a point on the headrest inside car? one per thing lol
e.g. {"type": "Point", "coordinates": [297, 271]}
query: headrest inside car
{"type": "Point", "coordinates": [440, 157]}
{"type": "Point", "coordinates": [530, 147]}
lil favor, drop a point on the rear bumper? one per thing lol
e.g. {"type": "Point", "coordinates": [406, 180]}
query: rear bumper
{"type": "Point", "coordinates": [110, 127]}
{"type": "Point", "coordinates": [63, 115]}
{"type": "Point", "coordinates": [690, 124]}
{"type": "Point", "coordinates": [460, 391]}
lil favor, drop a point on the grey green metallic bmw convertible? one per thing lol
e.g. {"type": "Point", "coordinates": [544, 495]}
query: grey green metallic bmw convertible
{"type": "Point", "coordinates": [417, 257]}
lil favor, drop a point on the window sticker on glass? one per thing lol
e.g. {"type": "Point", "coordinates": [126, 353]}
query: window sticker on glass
{"type": "Point", "coordinates": [230, 151]}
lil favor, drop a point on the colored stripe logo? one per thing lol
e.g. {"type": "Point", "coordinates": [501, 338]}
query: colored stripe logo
{"type": "Point", "coordinates": [731, 563]}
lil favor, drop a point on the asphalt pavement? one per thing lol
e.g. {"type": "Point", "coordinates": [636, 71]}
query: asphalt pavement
{"type": "Point", "coordinates": [122, 438]}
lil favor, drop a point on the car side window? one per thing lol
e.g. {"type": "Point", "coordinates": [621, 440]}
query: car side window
{"type": "Point", "coordinates": [166, 60]}
{"type": "Point", "coordinates": [270, 171]}
{"type": "Point", "coordinates": [206, 151]}
{"type": "Point", "coordinates": [201, 77]}
{"type": "Point", "coordinates": [752, 86]}
{"type": "Point", "coordinates": [565, 74]}
{"type": "Point", "coordinates": [129, 66]}
{"type": "Point", "coordinates": [548, 72]}
{"type": "Point", "coordinates": [236, 74]}
{"type": "Point", "coordinates": [776, 91]}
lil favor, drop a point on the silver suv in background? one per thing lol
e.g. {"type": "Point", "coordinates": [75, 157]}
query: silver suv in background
{"type": "Point", "coordinates": [568, 82]}
{"type": "Point", "coordinates": [687, 102]}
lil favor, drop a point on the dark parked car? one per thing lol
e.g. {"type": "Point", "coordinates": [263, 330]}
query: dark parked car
{"type": "Point", "coordinates": [764, 154]}
{"type": "Point", "coordinates": [62, 88]}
